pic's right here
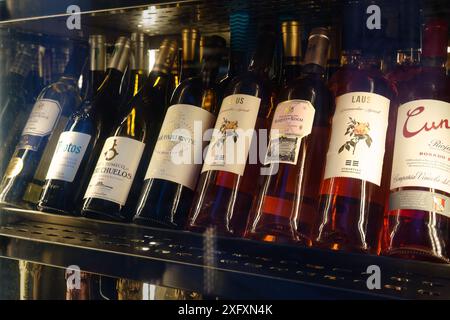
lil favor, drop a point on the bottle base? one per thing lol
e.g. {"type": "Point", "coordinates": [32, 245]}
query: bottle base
{"type": "Point", "coordinates": [155, 223]}
{"type": "Point", "coordinates": [98, 215]}
{"type": "Point", "coordinates": [414, 253]}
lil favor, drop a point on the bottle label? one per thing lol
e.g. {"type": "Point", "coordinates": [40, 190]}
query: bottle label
{"type": "Point", "coordinates": [178, 153]}
{"type": "Point", "coordinates": [233, 134]}
{"type": "Point", "coordinates": [358, 137]}
{"type": "Point", "coordinates": [292, 121]}
{"type": "Point", "coordinates": [40, 123]}
{"type": "Point", "coordinates": [419, 200]}
{"type": "Point", "coordinates": [68, 155]}
{"type": "Point", "coordinates": [422, 146]}
{"type": "Point", "coordinates": [115, 170]}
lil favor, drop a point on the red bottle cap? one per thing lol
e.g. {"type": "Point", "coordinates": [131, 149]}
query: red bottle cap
{"type": "Point", "coordinates": [435, 39]}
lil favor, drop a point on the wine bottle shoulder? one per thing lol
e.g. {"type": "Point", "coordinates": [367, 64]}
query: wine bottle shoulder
{"type": "Point", "coordinates": [250, 83]}
{"type": "Point", "coordinates": [353, 79]}
{"type": "Point", "coordinates": [427, 84]}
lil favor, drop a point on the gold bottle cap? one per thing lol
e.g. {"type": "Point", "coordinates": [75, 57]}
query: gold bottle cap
{"type": "Point", "coordinates": [190, 38]}
{"type": "Point", "coordinates": [318, 46]}
{"type": "Point", "coordinates": [121, 54]}
{"type": "Point", "coordinates": [291, 36]}
{"type": "Point", "coordinates": [139, 51]}
{"type": "Point", "coordinates": [166, 56]}
{"type": "Point", "coordinates": [97, 43]}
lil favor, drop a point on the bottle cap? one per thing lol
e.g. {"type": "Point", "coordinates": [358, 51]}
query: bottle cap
{"type": "Point", "coordinates": [121, 54]}
{"type": "Point", "coordinates": [265, 47]}
{"type": "Point", "coordinates": [166, 56]}
{"type": "Point", "coordinates": [353, 26]}
{"type": "Point", "coordinates": [291, 36]}
{"type": "Point", "coordinates": [435, 39]}
{"type": "Point", "coordinates": [318, 46]}
{"type": "Point", "coordinates": [409, 24]}
{"type": "Point", "coordinates": [97, 43]}
{"type": "Point", "coordinates": [139, 51]}
{"type": "Point", "coordinates": [190, 42]}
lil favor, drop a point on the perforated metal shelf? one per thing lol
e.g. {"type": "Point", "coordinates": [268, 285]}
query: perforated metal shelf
{"type": "Point", "coordinates": [162, 17]}
{"type": "Point", "coordinates": [230, 268]}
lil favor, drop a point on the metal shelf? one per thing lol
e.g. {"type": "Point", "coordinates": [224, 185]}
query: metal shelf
{"type": "Point", "coordinates": [230, 268]}
{"type": "Point", "coordinates": [162, 18]}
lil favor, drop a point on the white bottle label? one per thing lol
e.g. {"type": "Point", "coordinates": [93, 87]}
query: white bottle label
{"type": "Point", "coordinates": [233, 133]}
{"type": "Point", "coordinates": [422, 146]}
{"type": "Point", "coordinates": [43, 118]}
{"type": "Point", "coordinates": [293, 120]}
{"type": "Point", "coordinates": [178, 153]}
{"type": "Point", "coordinates": [358, 137]}
{"type": "Point", "coordinates": [68, 155]}
{"type": "Point", "coordinates": [115, 170]}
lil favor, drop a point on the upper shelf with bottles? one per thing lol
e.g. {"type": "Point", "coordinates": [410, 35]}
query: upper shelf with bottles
{"type": "Point", "coordinates": [156, 18]}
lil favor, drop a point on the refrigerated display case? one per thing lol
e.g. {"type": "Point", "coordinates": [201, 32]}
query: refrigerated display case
{"type": "Point", "coordinates": [132, 260]}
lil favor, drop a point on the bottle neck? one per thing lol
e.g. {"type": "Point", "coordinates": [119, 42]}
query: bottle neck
{"type": "Point", "coordinates": [409, 56]}
{"type": "Point", "coordinates": [209, 74]}
{"type": "Point", "coordinates": [313, 69]}
{"type": "Point", "coordinates": [351, 57]}
{"type": "Point", "coordinates": [188, 70]}
{"type": "Point", "coordinates": [237, 64]}
{"type": "Point", "coordinates": [370, 62]}
{"type": "Point", "coordinates": [434, 62]}
{"type": "Point", "coordinates": [96, 79]}
{"type": "Point", "coordinates": [137, 79]}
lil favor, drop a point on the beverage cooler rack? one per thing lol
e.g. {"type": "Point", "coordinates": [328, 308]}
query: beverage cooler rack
{"type": "Point", "coordinates": [215, 266]}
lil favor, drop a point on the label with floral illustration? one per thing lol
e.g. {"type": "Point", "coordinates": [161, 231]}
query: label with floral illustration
{"type": "Point", "coordinates": [293, 120]}
{"type": "Point", "coordinates": [178, 153]}
{"type": "Point", "coordinates": [422, 146]}
{"type": "Point", "coordinates": [233, 134]}
{"type": "Point", "coordinates": [358, 137]}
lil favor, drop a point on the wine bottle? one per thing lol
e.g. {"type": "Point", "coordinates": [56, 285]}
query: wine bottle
{"type": "Point", "coordinates": [34, 83]}
{"type": "Point", "coordinates": [138, 65]}
{"type": "Point", "coordinates": [25, 174]}
{"type": "Point", "coordinates": [97, 44]}
{"type": "Point", "coordinates": [190, 38]}
{"type": "Point", "coordinates": [408, 54]}
{"type": "Point", "coordinates": [286, 205]}
{"type": "Point", "coordinates": [174, 77]}
{"type": "Point", "coordinates": [78, 145]}
{"type": "Point", "coordinates": [170, 182]}
{"type": "Point", "coordinates": [292, 51]}
{"type": "Point", "coordinates": [114, 186]}
{"type": "Point", "coordinates": [354, 184]}
{"type": "Point", "coordinates": [419, 223]}
{"type": "Point", "coordinates": [237, 60]}
{"type": "Point", "coordinates": [13, 111]}
{"type": "Point", "coordinates": [225, 190]}
{"type": "Point", "coordinates": [334, 57]}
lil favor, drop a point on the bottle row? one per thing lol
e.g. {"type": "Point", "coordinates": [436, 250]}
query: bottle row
{"type": "Point", "coordinates": [358, 163]}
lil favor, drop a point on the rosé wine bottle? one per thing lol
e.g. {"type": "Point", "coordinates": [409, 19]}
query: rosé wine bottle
{"type": "Point", "coordinates": [227, 183]}
{"type": "Point", "coordinates": [356, 177]}
{"type": "Point", "coordinates": [419, 205]}
{"type": "Point", "coordinates": [287, 201]}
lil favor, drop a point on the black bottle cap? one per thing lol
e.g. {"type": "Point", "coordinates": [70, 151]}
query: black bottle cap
{"type": "Point", "coordinates": [77, 60]}
{"type": "Point", "coordinates": [265, 47]}
{"type": "Point", "coordinates": [352, 25]}
{"type": "Point", "coordinates": [409, 24]}
{"type": "Point", "coordinates": [213, 45]}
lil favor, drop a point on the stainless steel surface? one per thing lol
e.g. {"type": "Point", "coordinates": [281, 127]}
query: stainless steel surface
{"type": "Point", "coordinates": [223, 267]}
